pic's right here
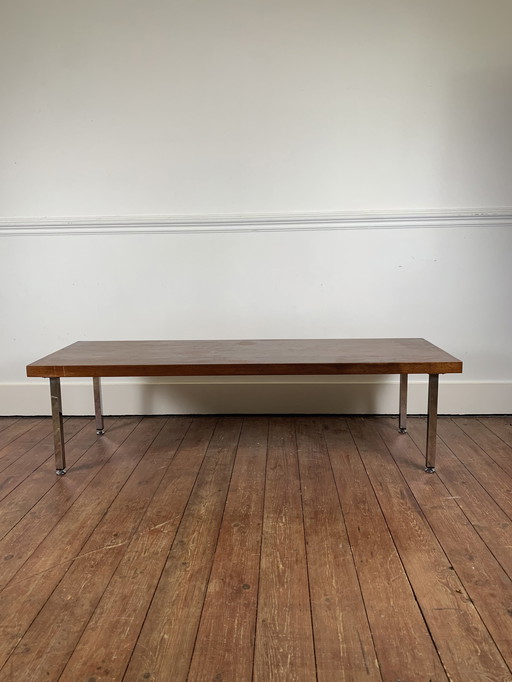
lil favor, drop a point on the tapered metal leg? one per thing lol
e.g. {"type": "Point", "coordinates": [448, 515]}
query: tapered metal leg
{"type": "Point", "coordinates": [96, 382]}
{"type": "Point", "coordinates": [402, 418]}
{"type": "Point", "coordinates": [433, 386]}
{"type": "Point", "coordinates": [58, 430]}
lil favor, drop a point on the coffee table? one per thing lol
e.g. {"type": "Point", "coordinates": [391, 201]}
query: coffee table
{"type": "Point", "coordinates": [297, 357]}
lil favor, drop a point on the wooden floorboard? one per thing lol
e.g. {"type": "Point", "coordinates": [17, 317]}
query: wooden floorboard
{"type": "Point", "coordinates": [501, 426]}
{"type": "Point", "coordinates": [123, 607]}
{"type": "Point", "coordinates": [17, 440]}
{"type": "Point", "coordinates": [183, 584]}
{"type": "Point", "coordinates": [438, 590]}
{"type": "Point", "coordinates": [6, 422]}
{"type": "Point", "coordinates": [486, 586]}
{"type": "Point", "coordinates": [402, 640]}
{"type": "Point", "coordinates": [480, 463]}
{"type": "Point", "coordinates": [284, 631]}
{"type": "Point", "coordinates": [342, 635]}
{"type": "Point", "coordinates": [490, 442]}
{"type": "Point", "coordinates": [477, 503]}
{"type": "Point", "coordinates": [256, 548]}
{"type": "Point", "coordinates": [13, 427]}
{"type": "Point", "coordinates": [224, 647]}
{"type": "Point", "coordinates": [48, 500]}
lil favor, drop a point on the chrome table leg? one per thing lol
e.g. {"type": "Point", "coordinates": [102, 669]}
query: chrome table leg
{"type": "Point", "coordinates": [58, 430]}
{"type": "Point", "coordinates": [402, 419]}
{"type": "Point", "coordinates": [96, 382]}
{"type": "Point", "coordinates": [433, 386]}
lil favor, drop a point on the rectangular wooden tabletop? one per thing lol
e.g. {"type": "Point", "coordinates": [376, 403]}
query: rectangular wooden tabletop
{"type": "Point", "coordinates": [245, 357]}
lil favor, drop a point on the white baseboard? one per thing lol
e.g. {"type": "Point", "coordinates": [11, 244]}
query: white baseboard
{"type": "Point", "coordinates": [325, 395]}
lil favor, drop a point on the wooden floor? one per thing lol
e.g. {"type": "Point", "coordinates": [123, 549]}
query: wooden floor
{"type": "Point", "coordinates": [216, 549]}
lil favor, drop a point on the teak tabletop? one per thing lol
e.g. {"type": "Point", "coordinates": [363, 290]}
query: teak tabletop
{"type": "Point", "coordinates": [281, 357]}
{"type": "Point", "coordinates": [245, 357]}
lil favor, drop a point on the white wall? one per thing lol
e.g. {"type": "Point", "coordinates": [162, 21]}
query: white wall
{"type": "Point", "coordinates": [119, 107]}
{"type": "Point", "coordinates": [450, 285]}
{"type": "Point", "coordinates": [192, 108]}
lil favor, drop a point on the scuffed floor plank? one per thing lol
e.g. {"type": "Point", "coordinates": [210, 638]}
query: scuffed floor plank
{"type": "Point", "coordinates": [402, 640]}
{"type": "Point", "coordinates": [488, 586]}
{"type": "Point", "coordinates": [284, 632]}
{"type": "Point", "coordinates": [343, 640]}
{"type": "Point", "coordinates": [224, 646]}
{"type": "Point", "coordinates": [441, 595]}
{"type": "Point", "coordinates": [165, 646]}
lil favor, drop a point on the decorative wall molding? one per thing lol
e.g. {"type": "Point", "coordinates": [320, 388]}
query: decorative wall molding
{"type": "Point", "coordinates": [270, 222]}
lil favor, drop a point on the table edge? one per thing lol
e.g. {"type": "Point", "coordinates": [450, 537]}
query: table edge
{"type": "Point", "coordinates": [245, 369]}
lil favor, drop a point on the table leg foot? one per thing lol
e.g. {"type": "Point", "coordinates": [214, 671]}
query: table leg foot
{"type": "Point", "coordinates": [430, 470]}
{"type": "Point", "coordinates": [402, 429]}
{"type": "Point", "coordinates": [100, 432]}
{"type": "Point", "coordinates": [60, 472]}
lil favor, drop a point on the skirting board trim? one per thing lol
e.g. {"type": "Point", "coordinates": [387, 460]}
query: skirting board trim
{"type": "Point", "coordinates": [270, 222]}
{"type": "Point", "coordinates": [257, 397]}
